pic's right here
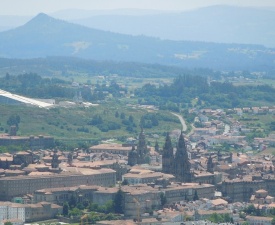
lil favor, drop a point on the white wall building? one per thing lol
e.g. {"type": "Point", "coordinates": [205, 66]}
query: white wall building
{"type": "Point", "coordinates": [11, 211]}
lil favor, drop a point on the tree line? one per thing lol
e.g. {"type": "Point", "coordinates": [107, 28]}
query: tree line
{"type": "Point", "coordinates": [186, 88]}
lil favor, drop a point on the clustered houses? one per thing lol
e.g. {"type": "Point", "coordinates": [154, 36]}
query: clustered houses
{"type": "Point", "coordinates": [20, 213]}
{"type": "Point", "coordinates": [25, 172]}
{"type": "Point", "coordinates": [14, 186]}
{"type": "Point", "coordinates": [33, 142]}
{"type": "Point", "coordinates": [216, 128]}
{"type": "Point", "coordinates": [147, 196]}
{"type": "Point", "coordinates": [187, 171]}
{"type": "Point", "coordinates": [255, 110]}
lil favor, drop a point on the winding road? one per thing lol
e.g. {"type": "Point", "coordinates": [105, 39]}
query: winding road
{"type": "Point", "coordinates": [182, 121]}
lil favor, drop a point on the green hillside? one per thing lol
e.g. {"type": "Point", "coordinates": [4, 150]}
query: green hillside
{"type": "Point", "coordinates": [75, 126]}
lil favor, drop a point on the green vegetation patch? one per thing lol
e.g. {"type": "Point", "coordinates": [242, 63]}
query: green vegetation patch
{"type": "Point", "coordinates": [86, 125]}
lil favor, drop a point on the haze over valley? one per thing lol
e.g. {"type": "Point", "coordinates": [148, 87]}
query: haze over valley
{"type": "Point", "coordinates": [141, 112]}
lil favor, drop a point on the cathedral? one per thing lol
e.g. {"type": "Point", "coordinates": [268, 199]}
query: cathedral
{"type": "Point", "coordinates": [177, 164]}
{"type": "Point", "coordinates": [55, 160]}
{"type": "Point", "coordinates": [141, 154]}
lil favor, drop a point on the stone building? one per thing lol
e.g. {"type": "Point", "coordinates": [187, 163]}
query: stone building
{"type": "Point", "coordinates": [41, 211]}
{"type": "Point", "coordinates": [144, 177]}
{"type": "Point", "coordinates": [28, 212]}
{"type": "Point", "coordinates": [210, 165]}
{"type": "Point", "coordinates": [181, 192]}
{"type": "Point", "coordinates": [20, 185]}
{"type": "Point", "coordinates": [40, 142]}
{"type": "Point", "coordinates": [11, 211]}
{"type": "Point", "coordinates": [64, 194]}
{"type": "Point", "coordinates": [240, 189]}
{"type": "Point", "coordinates": [55, 161]}
{"type": "Point", "coordinates": [182, 166]}
{"type": "Point", "coordinates": [261, 197]}
{"type": "Point", "coordinates": [6, 162]}
{"type": "Point", "coordinates": [23, 158]}
{"type": "Point", "coordinates": [132, 157]}
{"type": "Point", "coordinates": [177, 164]}
{"type": "Point", "coordinates": [168, 156]}
{"type": "Point", "coordinates": [141, 155]}
{"type": "Point", "coordinates": [111, 148]}
{"type": "Point", "coordinates": [256, 220]}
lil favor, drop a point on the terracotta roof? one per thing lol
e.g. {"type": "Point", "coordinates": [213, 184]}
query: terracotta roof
{"type": "Point", "coordinates": [261, 191]}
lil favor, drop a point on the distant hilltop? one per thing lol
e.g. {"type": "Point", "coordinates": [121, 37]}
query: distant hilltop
{"type": "Point", "coordinates": [217, 23]}
{"type": "Point", "coordinates": [45, 36]}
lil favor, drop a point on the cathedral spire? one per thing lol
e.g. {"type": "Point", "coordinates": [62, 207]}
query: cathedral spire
{"type": "Point", "coordinates": [168, 148]}
{"type": "Point", "coordinates": [182, 165]}
{"type": "Point", "coordinates": [132, 157]}
{"type": "Point", "coordinates": [143, 155]}
{"type": "Point", "coordinates": [181, 149]}
{"type": "Point", "coordinates": [168, 156]}
{"type": "Point", "coordinates": [210, 166]}
{"type": "Point", "coordinates": [55, 160]}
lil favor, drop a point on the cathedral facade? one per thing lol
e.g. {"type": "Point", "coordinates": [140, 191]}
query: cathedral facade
{"type": "Point", "coordinates": [177, 164]}
{"type": "Point", "coordinates": [140, 155]}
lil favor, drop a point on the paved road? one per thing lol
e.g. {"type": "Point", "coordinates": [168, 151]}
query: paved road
{"type": "Point", "coordinates": [184, 127]}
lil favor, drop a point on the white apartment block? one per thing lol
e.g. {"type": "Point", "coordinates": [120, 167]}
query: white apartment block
{"type": "Point", "coordinates": [11, 211]}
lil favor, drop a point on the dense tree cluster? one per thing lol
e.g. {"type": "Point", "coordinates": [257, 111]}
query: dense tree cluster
{"type": "Point", "coordinates": [186, 88]}
{"type": "Point", "coordinates": [220, 218]}
{"type": "Point", "coordinates": [111, 210]}
{"type": "Point", "coordinates": [33, 85]}
{"type": "Point", "coordinates": [272, 126]}
{"type": "Point", "coordinates": [104, 125]}
{"type": "Point", "coordinates": [14, 120]}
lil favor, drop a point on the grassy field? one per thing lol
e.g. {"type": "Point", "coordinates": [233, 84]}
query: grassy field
{"type": "Point", "coordinates": [255, 82]}
{"type": "Point", "coordinates": [268, 151]}
{"type": "Point", "coordinates": [66, 124]}
{"type": "Point", "coordinates": [257, 121]}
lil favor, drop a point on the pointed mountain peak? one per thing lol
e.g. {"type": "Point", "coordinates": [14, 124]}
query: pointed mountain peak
{"type": "Point", "coordinates": [41, 15]}
{"type": "Point", "coordinates": [40, 19]}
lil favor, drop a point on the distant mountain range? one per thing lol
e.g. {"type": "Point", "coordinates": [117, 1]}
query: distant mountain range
{"type": "Point", "coordinates": [45, 36]}
{"type": "Point", "coordinates": [221, 23]}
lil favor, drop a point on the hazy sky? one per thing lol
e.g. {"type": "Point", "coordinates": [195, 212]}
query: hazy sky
{"type": "Point", "coordinates": [32, 7]}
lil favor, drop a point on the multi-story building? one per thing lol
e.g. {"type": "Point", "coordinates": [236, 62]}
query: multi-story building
{"type": "Point", "coordinates": [41, 211]}
{"type": "Point", "coordinates": [140, 199]}
{"type": "Point", "coordinates": [40, 142]}
{"type": "Point", "coordinates": [111, 148]}
{"type": "Point", "coordinates": [256, 220]}
{"type": "Point", "coordinates": [186, 191]}
{"type": "Point", "coordinates": [145, 178]}
{"type": "Point", "coordinates": [11, 211]}
{"type": "Point", "coordinates": [241, 189]}
{"type": "Point", "coordinates": [20, 185]}
{"type": "Point", "coordinates": [64, 194]}
{"type": "Point", "coordinates": [22, 213]}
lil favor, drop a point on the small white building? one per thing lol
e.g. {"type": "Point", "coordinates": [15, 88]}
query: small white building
{"type": "Point", "coordinates": [12, 211]}
{"type": "Point", "coordinates": [258, 220]}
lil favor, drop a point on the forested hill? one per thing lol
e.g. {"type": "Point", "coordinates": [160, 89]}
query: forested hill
{"type": "Point", "coordinates": [45, 36]}
{"type": "Point", "coordinates": [187, 90]}
{"type": "Point", "coordinates": [69, 66]}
